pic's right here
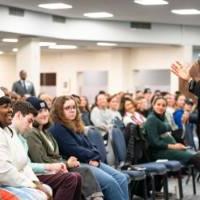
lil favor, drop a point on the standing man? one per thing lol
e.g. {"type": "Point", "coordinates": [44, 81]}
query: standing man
{"type": "Point", "coordinates": [23, 87]}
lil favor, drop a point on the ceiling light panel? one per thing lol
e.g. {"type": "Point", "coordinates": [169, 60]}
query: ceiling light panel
{"type": "Point", "coordinates": [15, 49]}
{"type": "Point", "coordinates": [151, 2]}
{"type": "Point", "coordinates": [108, 44]}
{"type": "Point", "coordinates": [10, 40]}
{"type": "Point", "coordinates": [186, 11]}
{"type": "Point", "coordinates": [46, 44]}
{"type": "Point", "coordinates": [62, 47]}
{"type": "Point", "coordinates": [98, 15]}
{"type": "Point", "coordinates": [54, 6]}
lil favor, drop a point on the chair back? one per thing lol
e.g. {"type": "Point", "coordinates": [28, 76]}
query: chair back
{"type": "Point", "coordinates": [137, 145]}
{"type": "Point", "coordinates": [95, 137]}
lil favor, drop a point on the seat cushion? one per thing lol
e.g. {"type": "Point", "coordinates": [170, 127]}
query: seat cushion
{"type": "Point", "coordinates": [135, 175]}
{"type": "Point", "coordinates": [172, 165]}
{"type": "Point", "coordinates": [154, 168]}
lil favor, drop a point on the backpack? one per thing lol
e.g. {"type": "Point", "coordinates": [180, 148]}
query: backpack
{"type": "Point", "coordinates": [137, 145]}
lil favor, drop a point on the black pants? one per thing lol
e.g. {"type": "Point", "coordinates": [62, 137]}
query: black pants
{"type": "Point", "coordinates": [195, 160]}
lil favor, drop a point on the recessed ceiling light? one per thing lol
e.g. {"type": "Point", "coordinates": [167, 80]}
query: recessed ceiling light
{"type": "Point", "coordinates": [53, 6]}
{"type": "Point", "coordinates": [186, 11]}
{"type": "Point", "coordinates": [15, 49]}
{"type": "Point", "coordinates": [10, 40]}
{"type": "Point", "coordinates": [106, 44]}
{"type": "Point", "coordinates": [62, 47]}
{"type": "Point", "coordinates": [151, 2]}
{"type": "Point", "coordinates": [46, 44]}
{"type": "Point", "coordinates": [98, 15]}
{"type": "Point", "coordinates": [1, 52]}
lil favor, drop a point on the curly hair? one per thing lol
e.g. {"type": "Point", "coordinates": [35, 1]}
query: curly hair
{"type": "Point", "coordinates": [57, 114]}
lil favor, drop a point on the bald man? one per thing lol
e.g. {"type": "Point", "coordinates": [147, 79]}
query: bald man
{"type": "Point", "coordinates": [23, 87]}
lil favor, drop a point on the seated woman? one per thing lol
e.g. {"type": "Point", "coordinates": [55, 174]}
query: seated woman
{"type": "Point", "coordinates": [15, 173]}
{"type": "Point", "coordinates": [85, 111]}
{"type": "Point", "coordinates": [68, 130]}
{"type": "Point", "coordinates": [43, 148]}
{"type": "Point", "coordinates": [162, 143]}
{"type": "Point", "coordinates": [128, 112]}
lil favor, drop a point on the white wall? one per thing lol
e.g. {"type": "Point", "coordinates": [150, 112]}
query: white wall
{"type": "Point", "coordinates": [155, 57]}
{"type": "Point", "coordinates": [66, 65]}
{"type": "Point", "coordinates": [118, 62]}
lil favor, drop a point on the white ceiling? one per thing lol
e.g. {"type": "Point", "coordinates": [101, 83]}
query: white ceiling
{"type": "Point", "coordinates": [123, 10]}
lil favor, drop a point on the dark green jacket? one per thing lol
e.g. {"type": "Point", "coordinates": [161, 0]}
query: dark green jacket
{"type": "Point", "coordinates": [39, 148]}
{"type": "Point", "coordinates": [155, 127]}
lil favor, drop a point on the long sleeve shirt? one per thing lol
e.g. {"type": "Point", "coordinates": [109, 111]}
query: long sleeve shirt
{"type": "Point", "coordinates": [74, 144]}
{"type": "Point", "coordinates": [14, 168]}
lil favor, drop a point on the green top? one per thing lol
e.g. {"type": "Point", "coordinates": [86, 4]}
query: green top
{"type": "Point", "coordinates": [42, 147]}
{"type": "Point", "coordinates": [159, 136]}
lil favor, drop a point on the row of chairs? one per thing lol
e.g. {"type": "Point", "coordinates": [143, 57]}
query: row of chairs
{"type": "Point", "coordinates": [140, 171]}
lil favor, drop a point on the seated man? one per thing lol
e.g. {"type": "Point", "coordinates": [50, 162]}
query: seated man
{"type": "Point", "coordinates": [15, 172]}
{"type": "Point", "coordinates": [65, 185]}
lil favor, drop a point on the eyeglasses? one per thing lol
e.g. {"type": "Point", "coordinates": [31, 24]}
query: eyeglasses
{"type": "Point", "coordinates": [70, 108]}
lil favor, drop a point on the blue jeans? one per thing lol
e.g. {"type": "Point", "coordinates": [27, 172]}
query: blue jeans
{"type": "Point", "coordinates": [119, 145]}
{"type": "Point", "coordinates": [114, 184]}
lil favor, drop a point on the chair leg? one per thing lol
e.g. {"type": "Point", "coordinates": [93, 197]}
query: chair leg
{"type": "Point", "coordinates": [166, 194]}
{"type": "Point", "coordinates": [193, 180]}
{"type": "Point", "coordinates": [153, 195]}
{"type": "Point", "coordinates": [180, 186]}
{"type": "Point", "coordinates": [145, 189]}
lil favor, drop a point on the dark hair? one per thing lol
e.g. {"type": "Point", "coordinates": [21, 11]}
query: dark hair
{"type": "Point", "coordinates": [122, 104]}
{"type": "Point", "coordinates": [97, 96]}
{"type": "Point", "coordinates": [5, 100]}
{"type": "Point", "coordinates": [147, 90]}
{"type": "Point", "coordinates": [24, 107]}
{"type": "Point", "coordinates": [158, 98]}
{"type": "Point", "coordinates": [138, 91]}
{"type": "Point", "coordinates": [179, 95]}
{"type": "Point", "coordinates": [189, 101]}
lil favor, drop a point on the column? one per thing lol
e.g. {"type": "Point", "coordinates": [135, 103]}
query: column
{"type": "Point", "coordinates": [119, 72]}
{"type": "Point", "coordinates": [28, 59]}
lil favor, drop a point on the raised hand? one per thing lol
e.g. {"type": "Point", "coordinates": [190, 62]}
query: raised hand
{"type": "Point", "coordinates": [179, 70]}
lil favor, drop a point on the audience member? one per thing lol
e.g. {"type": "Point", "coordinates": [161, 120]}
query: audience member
{"type": "Point", "coordinates": [129, 114]}
{"type": "Point", "coordinates": [47, 98]}
{"type": "Point", "coordinates": [68, 130]}
{"type": "Point", "coordinates": [162, 143]}
{"type": "Point", "coordinates": [85, 111]}
{"type": "Point", "coordinates": [15, 173]}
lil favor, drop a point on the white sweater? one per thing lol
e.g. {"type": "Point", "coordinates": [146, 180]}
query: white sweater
{"type": "Point", "coordinates": [14, 168]}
